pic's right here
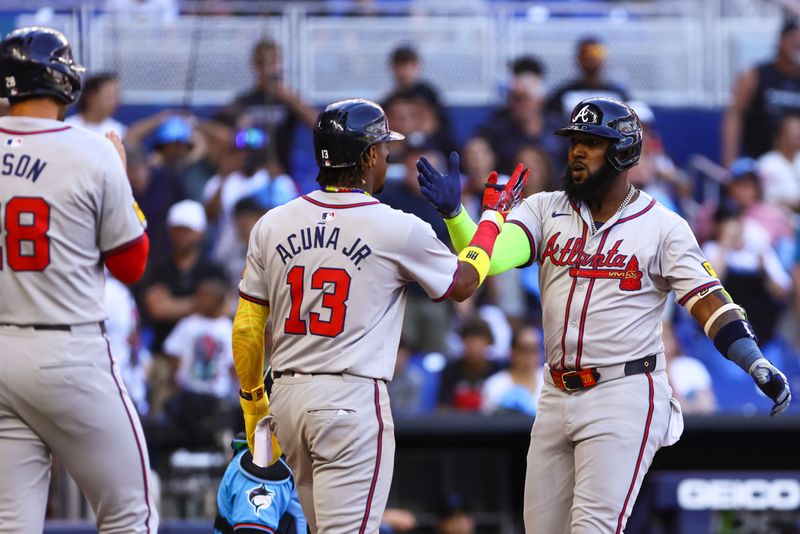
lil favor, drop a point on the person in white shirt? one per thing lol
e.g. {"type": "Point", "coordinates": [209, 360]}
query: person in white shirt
{"type": "Point", "coordinates": [96, 105]}
{"type": "Point", "coordinates": [689, 378]}
{"type": "Point", "coordinates": [201, 343]}
{"type": "Point", "coordinates": [517, 388]}
{"type": "Point", "coordinates": [749, 267]}
{"type": "Point", "coordinates": [242, 174]}
{"type": "Point", "coordinates": [121, 331]}
{"type": "Point", "coordinates": [779, 168]}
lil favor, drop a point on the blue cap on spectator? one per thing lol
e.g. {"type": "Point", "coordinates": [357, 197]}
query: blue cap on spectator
{"type": "Point", "coordinates": [742, 167]}
{"type": "Point", "coordinates": [174, 130]}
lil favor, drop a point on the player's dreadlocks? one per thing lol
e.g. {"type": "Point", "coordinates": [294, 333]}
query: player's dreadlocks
{"type": "Point", "coordinates": [352, 176]}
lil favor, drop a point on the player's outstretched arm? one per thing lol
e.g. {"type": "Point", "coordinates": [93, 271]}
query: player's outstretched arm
{"type": "Point", "coordinates": [725, 323]}
{"type": "Point", "coordinates": [475, 259]}
{"type": "Point", "coordinates": [248, 358]}
{"type": "Point", "coordinates": [511, 249]}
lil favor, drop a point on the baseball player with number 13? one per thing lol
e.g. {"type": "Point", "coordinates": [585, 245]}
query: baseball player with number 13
{"type": "Point", "coordinates": [67, 209]}
{"type": "Point", "coordinates": [332, 268]}
{"type": "Point", "coordinates": [609, 257]}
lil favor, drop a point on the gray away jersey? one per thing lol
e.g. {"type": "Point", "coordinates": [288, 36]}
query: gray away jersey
{"type": "Point", "coordinates": [65, 200]}
{"type": "Point", "coordinates": [333, 268]}
{"type": "Point", "coordinates": [603, 295]}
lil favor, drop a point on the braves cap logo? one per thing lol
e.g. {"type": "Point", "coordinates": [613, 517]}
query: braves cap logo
{"type": "Point", "coordinates": [260, 498]}
{"type": "Point", "coordinates": [586, 115]}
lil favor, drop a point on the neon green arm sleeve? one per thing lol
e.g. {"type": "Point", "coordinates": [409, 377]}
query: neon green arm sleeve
{"type": "Point", "coordinates": [511, 249]}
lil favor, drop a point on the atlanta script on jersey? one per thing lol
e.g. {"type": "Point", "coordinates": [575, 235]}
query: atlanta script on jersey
{"type": "Point", "coordinates": [587, 279]}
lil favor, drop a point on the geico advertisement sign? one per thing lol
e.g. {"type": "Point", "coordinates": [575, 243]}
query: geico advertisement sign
{"type": "Point", "coordinates": [739, 494]}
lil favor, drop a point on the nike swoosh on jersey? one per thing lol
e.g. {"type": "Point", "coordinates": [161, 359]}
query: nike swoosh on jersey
{"type": "Point", "coordinates": [556, 214]}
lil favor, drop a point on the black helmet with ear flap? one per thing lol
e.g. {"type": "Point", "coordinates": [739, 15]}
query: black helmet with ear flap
{"type": "Point", "coordinates": [37, 61]}
{"type": "Point", "coordinates": [346, 129]}
{"type": "Point", "coordinates": [612, 119]}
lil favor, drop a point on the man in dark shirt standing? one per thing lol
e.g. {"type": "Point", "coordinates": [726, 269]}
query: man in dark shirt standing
{"type": "Point", "coordinates": [169, 286]}
{"type": "Point", "coordinates": [762, 97]}
{"type": "Point", "coordinates": [270, 105]}
{"type": "Point", "coordinates": [590, 56]}
{"type": "Point", "coordinates": [462, 379]}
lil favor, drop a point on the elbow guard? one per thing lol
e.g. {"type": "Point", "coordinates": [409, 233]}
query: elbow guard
{"type": "Point", "coordinates": [737, 342]}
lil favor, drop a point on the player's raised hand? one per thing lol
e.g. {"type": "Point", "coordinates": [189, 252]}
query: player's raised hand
{"type": "Point", "coordinates": [441, 190]}
{"type": "Point", "coordinates": [120, 148]}
{"type": "Point", "coordinates": [503, 199]}
{"type": "Point", "coordinates": [772, 382]}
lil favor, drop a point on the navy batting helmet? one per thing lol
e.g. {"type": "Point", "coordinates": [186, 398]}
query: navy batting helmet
{"type": "Point", "coordinates": [611, 119]}
{"type": "Point", "coordinates": [38, 61]}
{"type": "Point", "coordinates": [346, 129]}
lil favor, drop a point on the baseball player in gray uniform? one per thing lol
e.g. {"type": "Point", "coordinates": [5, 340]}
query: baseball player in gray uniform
{"type": "Point", "coordinates": [66, 208]}
{"type": "Point", "coordinates": [332, 268]}
{"type": "Point", "coordinates": [609, 258]}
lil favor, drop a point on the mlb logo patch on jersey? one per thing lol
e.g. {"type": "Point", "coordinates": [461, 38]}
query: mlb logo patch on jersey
{"type": "Point", "coordinates": [12, 142]}
{"type": "Point", "coordinates": [326, 216]}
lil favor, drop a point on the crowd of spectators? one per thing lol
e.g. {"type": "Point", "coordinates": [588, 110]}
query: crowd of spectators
{"type": "Point", "coordinates": [204, 182]}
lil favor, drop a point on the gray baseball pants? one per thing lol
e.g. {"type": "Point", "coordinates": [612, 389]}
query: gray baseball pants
{"type": "Point", "coordinates": [590, 451]}
{"type": "Point", "coordinates": [61, 394]}
{"type": "Point", "coordinates": [338, 436]}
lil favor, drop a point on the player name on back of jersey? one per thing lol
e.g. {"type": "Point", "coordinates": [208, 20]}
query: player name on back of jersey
{"type": "Point", "coordinates": [321, 237]}
{"type": "Point", "coordinates": [22, 166]}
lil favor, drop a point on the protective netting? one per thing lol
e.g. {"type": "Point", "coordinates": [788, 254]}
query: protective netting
{"type": "Point", "coordinates": [677, 59]}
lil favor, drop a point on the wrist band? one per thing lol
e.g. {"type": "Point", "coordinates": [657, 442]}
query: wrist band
{"type": "Point", "coordinates": [494, 217]}
{"type": "Point", "coordinates": [453, 214]}
{"type": "Point", "coordinates": [714, 316]}
{"type": "Point", "coordinates": [253, 394]}
{"type": "Point", "coordinates": [744, 352]}
{"type": "Point", "coordinates": [478, 258]}
{"type": "Point", "coordinates": [459, 216]}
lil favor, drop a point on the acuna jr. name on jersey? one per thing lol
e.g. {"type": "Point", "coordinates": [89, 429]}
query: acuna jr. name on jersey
{"type": "Point", "coordinates": [321, 237]}
{"type": "Point", "coordinates": [21, 166]}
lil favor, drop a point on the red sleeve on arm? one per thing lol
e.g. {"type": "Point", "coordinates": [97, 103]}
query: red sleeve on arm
{"type": "Point", "coordinates": [485, 236]}
{"type": "Point", "coordinates": [127, 262]}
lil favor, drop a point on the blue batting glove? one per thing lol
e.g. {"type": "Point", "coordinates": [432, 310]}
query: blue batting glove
{"type": "Point", "coordinates": [441, 190]}
{"type": "Point", "coordinates": [773, 383]}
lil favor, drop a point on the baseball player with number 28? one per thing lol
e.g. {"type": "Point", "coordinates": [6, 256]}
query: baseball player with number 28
{"type": "Point", "coordinates": [332, 268]}
{"type": "Point", "coordinates": [67, 209]}
{"type": "Point", "coordinates": [609, 257]}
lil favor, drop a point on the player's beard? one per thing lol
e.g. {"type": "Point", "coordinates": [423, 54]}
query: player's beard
{"type": "Point", "coordinates": [594, 187]}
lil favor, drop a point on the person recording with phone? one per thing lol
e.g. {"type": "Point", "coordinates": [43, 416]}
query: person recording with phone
{"type": "Point", "coordinates": [243, 173]}
{"type": "Point", "coordinates": [270, 105]}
